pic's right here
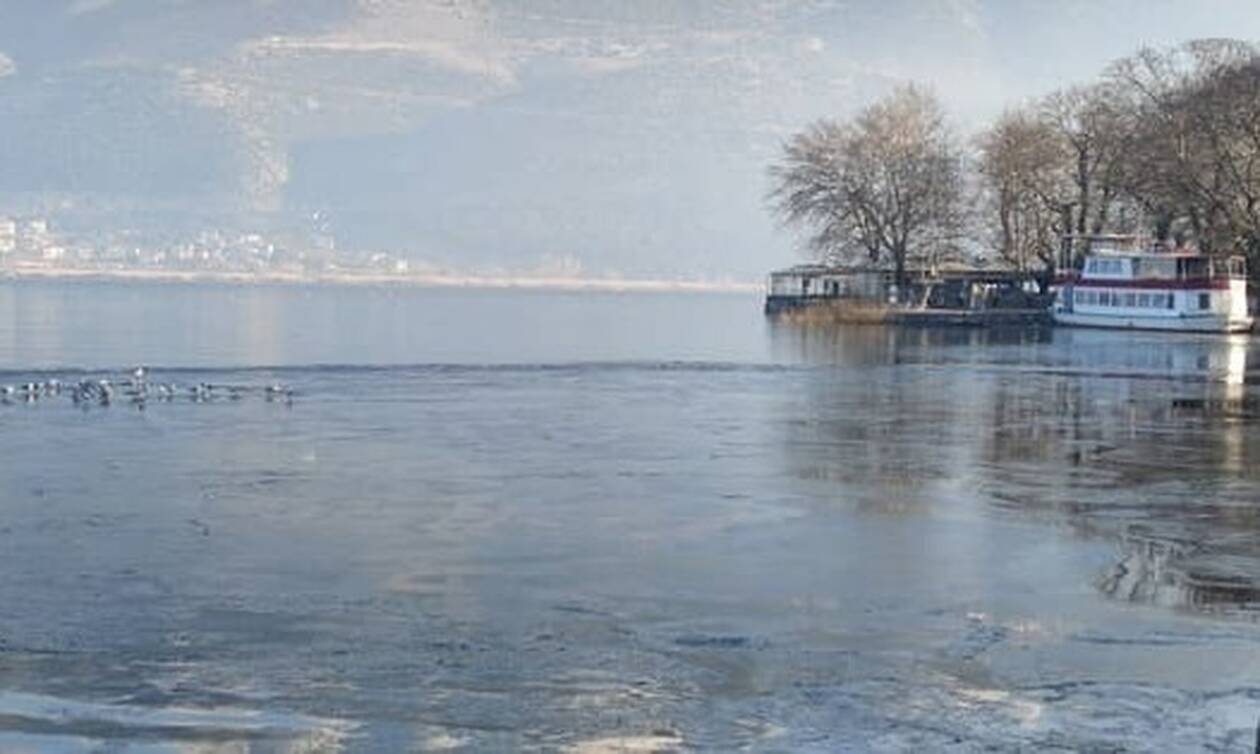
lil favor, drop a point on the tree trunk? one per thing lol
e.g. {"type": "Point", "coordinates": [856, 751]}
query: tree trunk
{"type": "Point", "coordinates": [899, 260]}
{"type": "Point", "coordinates": [1082, 185]}
{"type": "Point", "coordinates": [1067, 255]}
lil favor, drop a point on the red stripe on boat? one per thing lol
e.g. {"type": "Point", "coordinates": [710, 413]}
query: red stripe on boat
{"type": "Point", "coordinates": [1203, 284]}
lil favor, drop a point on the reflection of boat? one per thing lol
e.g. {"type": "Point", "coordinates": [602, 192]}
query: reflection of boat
{"type": "Point", "coordinates": [1126, 284]}
{"type": "Point", "coordinates": [1181, 574]}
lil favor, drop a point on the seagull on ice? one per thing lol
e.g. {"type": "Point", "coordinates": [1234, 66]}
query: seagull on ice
{"type": "Point", "coordinates": [275, 391]}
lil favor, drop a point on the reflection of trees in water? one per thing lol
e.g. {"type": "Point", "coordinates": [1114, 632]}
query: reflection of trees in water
{"type": "Point", "coordinates": [864, 345]}
{"type": "Point", "coordinates": [1168, 444]}
{"type": "Point", "coordinates": [1110, 432]}
{"type": "Point", "coordinates": [870, 421]}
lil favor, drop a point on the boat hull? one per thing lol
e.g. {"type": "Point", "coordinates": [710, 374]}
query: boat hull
{"type": "Point", "coordinates": [1201, 323]}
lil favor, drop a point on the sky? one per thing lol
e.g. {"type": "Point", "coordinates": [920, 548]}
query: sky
{"type": "Point", "coordinates": [591, 137]}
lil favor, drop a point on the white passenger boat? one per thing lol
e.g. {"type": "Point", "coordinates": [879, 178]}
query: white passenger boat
{"type": "Point", "coordinates": [1124, 283]}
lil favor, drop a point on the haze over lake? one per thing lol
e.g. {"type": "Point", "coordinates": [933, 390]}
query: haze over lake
{"type": "Point", "coordinates": [400, 376]}
{"type": "Point", "coordinates": [524, 521]}
{"type": "Point", "coordinates": [495, 135]}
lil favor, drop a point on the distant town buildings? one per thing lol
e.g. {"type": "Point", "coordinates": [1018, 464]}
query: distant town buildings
{"type": "Point", "coordinates": [35, 244]}
{"type": "Point", "coordinates": [8, 236]}
{"type": "Point", "coordinates": [26, 237]}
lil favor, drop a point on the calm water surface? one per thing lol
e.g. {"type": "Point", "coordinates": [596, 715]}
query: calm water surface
{"type": "Point", "coordinates": [500, 521]}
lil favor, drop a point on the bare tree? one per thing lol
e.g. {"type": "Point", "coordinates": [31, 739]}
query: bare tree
{"type": "Point", "coordinates": [1168, 138]}
{"type": "Point", "coordinates": [885, 187]}
{"type": "Point", "coordinates": [1197, 147]}
{"type": "Point", "coordinates": [1096, 131]}
{"type": "Point", "coordinates": [1027, 195]}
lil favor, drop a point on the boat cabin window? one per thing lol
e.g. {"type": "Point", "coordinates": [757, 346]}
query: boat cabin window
{"type": "Point", "coordinates": [1105, 267]}
{"type": "Point", "coordinates": [1205, 301]}
{"type": "Point", "coordinates": [1193, 268]}
{"type": "Point", "coordinates": [1162, 269]}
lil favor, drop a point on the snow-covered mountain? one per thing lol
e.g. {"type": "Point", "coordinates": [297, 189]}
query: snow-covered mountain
{"type": "Point", "coordinates": [630, 137]}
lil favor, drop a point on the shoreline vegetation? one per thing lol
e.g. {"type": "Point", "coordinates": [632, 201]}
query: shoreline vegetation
{"type": "Point", "coordinates": [355, 278]}
{"type": "Point", "coordinates": [1163, 143]}
{"type": "Point", "coordinates": [861, 312]}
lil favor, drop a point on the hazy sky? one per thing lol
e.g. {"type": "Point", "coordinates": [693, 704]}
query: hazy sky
{"type": "Point", "coordinates": [625, 137]}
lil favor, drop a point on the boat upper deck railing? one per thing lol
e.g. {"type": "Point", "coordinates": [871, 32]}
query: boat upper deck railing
{"type": "Point", "coordinates": [1143, 257]}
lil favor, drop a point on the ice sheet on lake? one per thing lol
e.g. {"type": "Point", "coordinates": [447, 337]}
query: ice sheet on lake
{"type": "Point", "coordinates": [42, 723]}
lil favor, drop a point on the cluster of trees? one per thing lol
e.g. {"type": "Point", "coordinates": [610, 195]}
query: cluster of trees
{"type": "Point", "coordinates": [1165, 143]}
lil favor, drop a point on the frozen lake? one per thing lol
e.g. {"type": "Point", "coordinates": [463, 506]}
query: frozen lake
{"type": "Point", "coordinates": [496, 521]}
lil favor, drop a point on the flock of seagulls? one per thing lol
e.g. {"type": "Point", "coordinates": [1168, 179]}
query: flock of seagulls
{"type": "Point", "coordinates": [137, 389]}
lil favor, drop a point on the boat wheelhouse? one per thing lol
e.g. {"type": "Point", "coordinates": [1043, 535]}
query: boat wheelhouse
{"type": "Point", "coordinates": [1124, 283]}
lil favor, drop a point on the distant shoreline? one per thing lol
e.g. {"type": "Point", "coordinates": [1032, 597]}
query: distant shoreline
{"type": "Point", "coordinates": [368, 279]}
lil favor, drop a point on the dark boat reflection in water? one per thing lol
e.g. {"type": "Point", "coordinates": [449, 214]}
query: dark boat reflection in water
{"type": "Point", "coordinates": [1151, 441]}
{"type": "Point", "coordinates": [1164, 572]}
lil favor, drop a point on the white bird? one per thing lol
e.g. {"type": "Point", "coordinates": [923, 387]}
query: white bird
{"type": "Point", "coordinates": [276, 390]}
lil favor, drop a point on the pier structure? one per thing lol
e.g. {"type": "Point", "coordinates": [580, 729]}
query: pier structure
{"type": "Point", "coordinates": [952, 297]}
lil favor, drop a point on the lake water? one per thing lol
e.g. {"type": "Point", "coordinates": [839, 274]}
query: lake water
{"type": "Point", "coordinates": [501, 521]}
